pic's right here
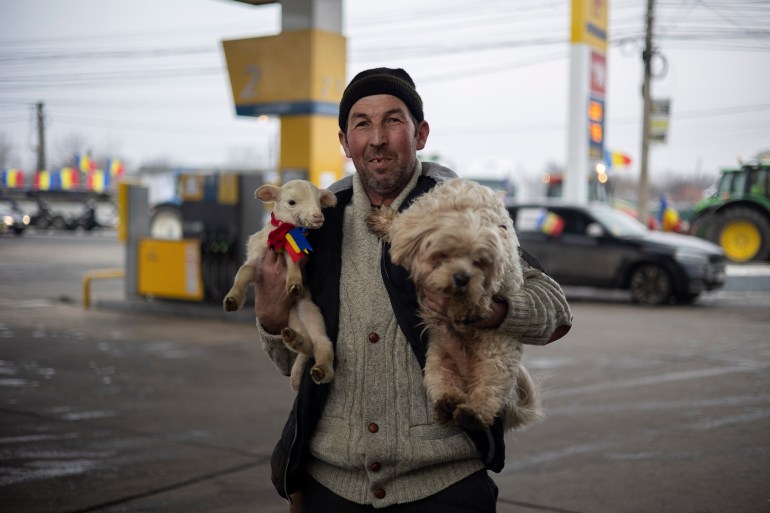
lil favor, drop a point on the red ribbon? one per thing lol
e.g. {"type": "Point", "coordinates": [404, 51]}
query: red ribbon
{"type": "Point", "coordinates": [276, 239]}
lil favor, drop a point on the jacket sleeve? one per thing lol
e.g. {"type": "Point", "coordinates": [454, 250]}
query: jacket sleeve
{"type": "Point", "coordinates": [273, 346]}
{"type": "Point", "coordinates": [538, 313]}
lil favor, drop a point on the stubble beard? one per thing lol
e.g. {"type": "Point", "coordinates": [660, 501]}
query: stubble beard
{"type": "Point", "coordinates": [387, 184]}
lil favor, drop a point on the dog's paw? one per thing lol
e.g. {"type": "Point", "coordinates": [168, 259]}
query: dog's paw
{"type": "Point", "coordinates": [444, 408]}
{"type": "Point", "coordinates": [230, 304]}
{"type": "Point", "coordinates": [468, 418]}
{"type": "Point", "coordinates": [321, 374]}
{"type": "Point", "coordinates": [379, 222]}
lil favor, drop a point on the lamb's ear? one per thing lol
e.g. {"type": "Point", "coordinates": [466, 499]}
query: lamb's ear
{"type": "Point", "coordinates": [268, 193]}
{"type": "Point", "coordinates": [328, 198]}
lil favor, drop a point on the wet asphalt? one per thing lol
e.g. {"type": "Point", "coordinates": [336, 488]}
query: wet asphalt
{"type": "Point", "coordinates": [157, 406]}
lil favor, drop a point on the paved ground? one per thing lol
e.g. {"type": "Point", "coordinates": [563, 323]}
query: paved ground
{"type": "Point", "coordinates": [165, 408]}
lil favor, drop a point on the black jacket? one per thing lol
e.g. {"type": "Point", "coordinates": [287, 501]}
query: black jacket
{"type": "Point", "coordinates": [323, 279]}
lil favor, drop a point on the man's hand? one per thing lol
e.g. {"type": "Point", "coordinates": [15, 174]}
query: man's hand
{"type": "Point", "coordinates": [271, 302]}
{"type": "Point", "coordinates": [438, 304]}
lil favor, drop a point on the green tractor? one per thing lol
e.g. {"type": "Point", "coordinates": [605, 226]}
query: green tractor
{"type": "Point", "coordinates": [737, 215]}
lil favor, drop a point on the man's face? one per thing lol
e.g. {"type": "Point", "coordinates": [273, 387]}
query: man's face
{"type": "Point", "coordinates": [382, 141]}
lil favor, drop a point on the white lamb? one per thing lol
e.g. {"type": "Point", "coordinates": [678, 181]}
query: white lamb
{"type": "Point", "coordinates": [297, 204]}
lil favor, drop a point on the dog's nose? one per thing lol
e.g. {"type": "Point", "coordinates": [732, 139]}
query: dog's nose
{"type": "Point", "coordinates": [461, 279]}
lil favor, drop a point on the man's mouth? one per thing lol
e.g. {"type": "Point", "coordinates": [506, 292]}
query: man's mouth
{"type": "Point", "coordinates": [379, 160]}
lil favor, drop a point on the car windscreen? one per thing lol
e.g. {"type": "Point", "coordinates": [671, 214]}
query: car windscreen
{"type": "Point", "coordinates": [618, 223]}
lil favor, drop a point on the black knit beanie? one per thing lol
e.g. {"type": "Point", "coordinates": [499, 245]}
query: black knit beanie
{"type": "Point", "coordinates": [396, 82]}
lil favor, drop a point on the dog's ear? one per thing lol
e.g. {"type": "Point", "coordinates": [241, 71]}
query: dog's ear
{"type": "Point", "coordinates": [407, 234]}
{"type": "Point", "coordinates": [328, 198]}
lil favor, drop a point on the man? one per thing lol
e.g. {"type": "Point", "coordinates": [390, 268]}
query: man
{"type": "Point", "coordinates": [368, 440]}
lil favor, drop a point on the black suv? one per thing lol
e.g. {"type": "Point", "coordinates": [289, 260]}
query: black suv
{"type": "Point", "coordinates": [598, 246]}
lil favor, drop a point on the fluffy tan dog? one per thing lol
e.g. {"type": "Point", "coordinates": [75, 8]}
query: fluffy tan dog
{"type": "Point", "coordinates": [297, 203]}
{"type": "Point", "coordinates": [458, 241]}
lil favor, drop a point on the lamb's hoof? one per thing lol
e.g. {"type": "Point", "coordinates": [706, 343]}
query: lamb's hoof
{"type": "Point", "coordinates": [467, 418]}
{"type": "Point", "coordinates": [321, 375]}
{"type": "Point", "coordinates": [295, 289]}
{"type": "Point", "coordinates": [230, 304]}
{"type": "Point", "coordinates": [289, 337]}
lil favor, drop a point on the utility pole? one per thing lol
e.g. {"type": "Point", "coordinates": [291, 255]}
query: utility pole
{"type": "Point", "coordinates": [40, 138]}
{"type": "Point", "coordinates": [644, 185]}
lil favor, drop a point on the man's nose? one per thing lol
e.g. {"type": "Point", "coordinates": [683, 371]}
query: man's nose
{"type": "Point", "coordinates": [379, 136]}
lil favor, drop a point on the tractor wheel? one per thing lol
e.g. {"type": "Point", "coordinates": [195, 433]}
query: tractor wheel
{"type": "Point", "coordinates": [744, 234]}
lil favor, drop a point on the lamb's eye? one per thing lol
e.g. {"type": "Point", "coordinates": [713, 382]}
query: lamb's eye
{"type": "Point", "coordinates": [291, 203]}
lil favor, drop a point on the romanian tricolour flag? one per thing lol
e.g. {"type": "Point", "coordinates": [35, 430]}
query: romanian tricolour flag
{"type": "Point", "coordinates": [297, 245]}
{"type": "Point", "coordinates": [616, 159]}
{"type": "Point", "coordinates": [115, 167]}
{"type": "Point", "coordinates": [550, 223]}
{"type": "Point", "coordinates": [98, 181]}
{"type": "Point", "coordinates": [42, 180]}
{"type": "Point", "coordinates": [12, 178]}
{"type": "Point", "coordinates": [84, 163]}
{"type": "Point", "coordinates": [70, 178]}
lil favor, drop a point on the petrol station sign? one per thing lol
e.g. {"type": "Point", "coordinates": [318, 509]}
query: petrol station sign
{"type": "Point", "coordinates": [292, 73]}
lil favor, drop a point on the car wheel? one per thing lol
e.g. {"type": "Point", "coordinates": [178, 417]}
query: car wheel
{"type": "Point", "coordinates": [650, 284]}
{"type": "Point", "coordinates": [59, 223]}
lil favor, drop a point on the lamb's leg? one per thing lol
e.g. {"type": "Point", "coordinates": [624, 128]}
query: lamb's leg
{"type": "Point", "coordinates": [294, 285]}
{"type": "Point", "coordinates": [234, 299]}
{"type": "Point", "coordinates": [323, 349]}
{"type": "Point", "coordinates": [294, 335]}
{"type": "Point", "coordinates": [296, 371]}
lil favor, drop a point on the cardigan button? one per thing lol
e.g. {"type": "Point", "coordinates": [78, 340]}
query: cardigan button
{"type": "Point", "coordinates": [379, 493]}
{"type": "Point", "coordinates": [373, 427]}
{"type": "Point", "coordinates": [375, 467]}
{"type": "Point", "coordinates": [374, 338]}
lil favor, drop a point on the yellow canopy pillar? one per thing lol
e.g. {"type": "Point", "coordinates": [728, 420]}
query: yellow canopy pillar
{"type": "Point", "coordinates": [298, 75]}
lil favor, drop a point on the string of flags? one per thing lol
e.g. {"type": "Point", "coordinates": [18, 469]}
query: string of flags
{"type": "Point", "coordinates": [83, 175]}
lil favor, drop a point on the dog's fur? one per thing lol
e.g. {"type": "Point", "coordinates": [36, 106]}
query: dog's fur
{"type": "Point", "coordinates": [458, 241]}
{"type": "Point", "coordinates": [297, 202]}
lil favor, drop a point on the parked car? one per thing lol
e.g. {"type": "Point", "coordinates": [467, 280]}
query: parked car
{"type": "Point", "coordinates": [13, 218]}
{"type": "Point", "coordinates": [597, 245]}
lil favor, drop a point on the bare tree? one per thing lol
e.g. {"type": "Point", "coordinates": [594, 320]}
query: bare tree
{"type": "Point", "coordinates": [7, 152]}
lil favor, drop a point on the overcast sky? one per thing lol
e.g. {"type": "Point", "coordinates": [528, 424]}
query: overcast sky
{"type": "Point", "coordinates": [146, 80]}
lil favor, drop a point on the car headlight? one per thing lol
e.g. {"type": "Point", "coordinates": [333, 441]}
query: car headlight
{"type": "Point", "coordinates": [8, 220]}
{"type": "Point", "coordinates": [25, 219]}
{"type": "Point", "coordinates": [687, 256]}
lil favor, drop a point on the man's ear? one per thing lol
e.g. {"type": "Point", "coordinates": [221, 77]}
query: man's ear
{"type": "Point", "coordinates": [422, 135]}
{"type": "Point", "coordinates": [344, 143]}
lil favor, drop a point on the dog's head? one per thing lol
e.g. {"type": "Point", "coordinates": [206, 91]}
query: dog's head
{"type": "Point", "coordinates": [458, 241]}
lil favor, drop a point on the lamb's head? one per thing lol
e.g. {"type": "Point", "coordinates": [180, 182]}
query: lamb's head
{"type": "Point", "coordinates": [297, 202]}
